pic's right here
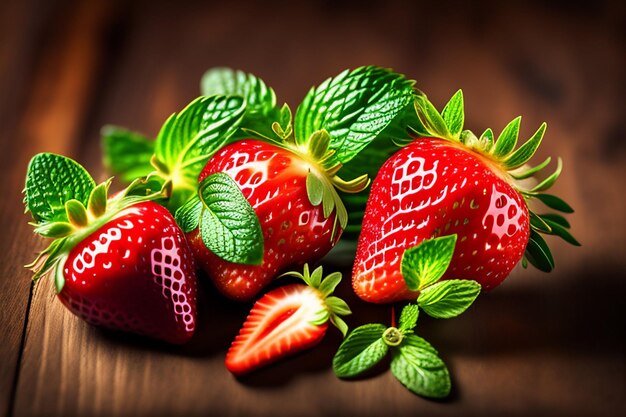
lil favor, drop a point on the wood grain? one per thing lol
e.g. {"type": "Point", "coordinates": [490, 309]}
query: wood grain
{"type": "Point", "coordinates": [539, 345]}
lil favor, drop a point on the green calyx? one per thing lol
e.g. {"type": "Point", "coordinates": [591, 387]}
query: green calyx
{"type": "Point", "coordinates": [509, 161]}
{"type": "Point", "coordinates": [335, 306]}
{"type": "Point", "coordinates": [67, 206]}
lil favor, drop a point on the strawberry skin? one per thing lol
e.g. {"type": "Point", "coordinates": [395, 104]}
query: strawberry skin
{"type": "Point", "coordinates": [135, 273]}
{"type": "Point", "coordinates": [432, 188]}
{"type": "Point", "coordinates": [279, 325]}
{"type": "Point", "coordinates": [273, 180]}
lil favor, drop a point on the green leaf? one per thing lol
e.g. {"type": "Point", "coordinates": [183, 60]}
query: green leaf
{"type": "Point", "coordinates": [229, 82]}
{"type": "Point", "coordinates": [527, 173]}
{"type": "Point", "coordinates": [558, 230]}
{"type": "Point", "coordinates": [360, 351]}
{"type": "Point", "coordinates": [329, 284]}
{"type": "Point", "coordinates": [55, 229]}
{"type": "Point", "coordinates": [408, 317]}
{"type": "Point", "coordinates": [188, 139]}
{"type": "Point", "coordinates": [51, 181]}
{"type": "Point", "coordinates": [188, 215]}
{"type": "Point", "coordinates": [538, 223]}
{"type": "Point", "coordinates": [339, 324]}
{"type": "Point", "coordinates": [97, 203]}
{"type": "Point", "coordinates": [315, 278]}
{"type": "Point", "coordinates": [338, 306]}
{"type": "Point", "coordinates": [555, 203]}
{"type": "Point", "coordinates": [430, 118]}
{"type": "Point", "coordinates": [425, 263]}
{"type": "Point", "coordinates": [557, 218]}
{"type": "Point", "coordinates": [508, 138]}
{"type": "Point", "coordinates": [126, 154]}
{"type": "Point", "coordinates": [487, 138]}
{"type": "Point", "coordinates": [538, 253]}
{"type": "Point", "coordinates": [549, 182]}
{"type": "Point", "coordinates": [354, 108]}
{"type": "Point", "coordinates": [525, 152]}
{"type": "Point", "coordinates": [454, 114]}
{"type": "Point", "coordinates": [228, 224]}
{"type": "Point", "coordinates": [314, 188]}
{"type": "Point", "coordinates": [76, 213]}
{"type": "Point", "coordinates": [448, 298]}
{"type": "Point", "coordinates": [418, 367]}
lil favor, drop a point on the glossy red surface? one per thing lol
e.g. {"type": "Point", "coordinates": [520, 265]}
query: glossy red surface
{"type": "Point", "coordinates": [136, 273]}
{"type": "Point", "coordinates": [429, 189]}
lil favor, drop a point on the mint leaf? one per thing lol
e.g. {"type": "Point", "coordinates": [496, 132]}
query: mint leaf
{"type": "Point", "coordinates": [360, 351]}
{"type": "Point", "coordinates": [126, 154]}
{"type": "Point", "coordinates": [449, 298]}
{"type": "Point", "coordinates": [418, 367]}
{"type": "Point", "coordinates": [354, 108]}
{"type": "Point", "coordinates": [425, 263]}
{"type": "Point", "coordinates": [454, 114]}
{"type": "Point", "coordinates": [260, 99]}
{"type": "Point", "coordinates": [408, 317]}
{"type": "Point", "coordinates": [188, 215]}
{"type": "Point", "coordinates": [229, 82]}
{"type": "Point", "coordinates": [51, 181]}
{"type": "Point", "coordinates": [229, 227]}
{"type": "Point", "coordinates": [188, 139]}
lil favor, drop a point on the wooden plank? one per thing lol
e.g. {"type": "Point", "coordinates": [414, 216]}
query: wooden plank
{"type": "Point", "coordinates": [45, 109]}
{"type": "Point", "coordinates": [21, 29]}
{"type": "Point", "coordinates": [532, 346]}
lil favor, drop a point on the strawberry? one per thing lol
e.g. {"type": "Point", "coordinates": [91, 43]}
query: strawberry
{"type": "Point", "coordinates": [270, 202]}
{"type": "Point", "coordinates": [121, 264]}
{"type": "Point", "coordinates": [448, 182]}
{"type": "Point", "coordinates": [287, 320]}
{"type": "Point", "coordinates": [274, 181]}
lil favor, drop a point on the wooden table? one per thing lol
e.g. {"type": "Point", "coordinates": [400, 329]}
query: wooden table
{"type": "Point", "coordinates": [539, 344]}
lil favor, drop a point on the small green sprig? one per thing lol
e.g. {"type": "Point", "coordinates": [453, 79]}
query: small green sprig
{"type": "Point", "coordinates": [414, 361]}
{"type": "Point", "coordinates": [513, 162]}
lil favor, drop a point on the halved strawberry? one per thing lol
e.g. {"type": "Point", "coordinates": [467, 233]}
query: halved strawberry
{"type": "Point", "coordinates": [448, 182]}
{"type": "Point", "coordinates": [287, 320]}
{"type": "Point", "coordinates": [121, 263]}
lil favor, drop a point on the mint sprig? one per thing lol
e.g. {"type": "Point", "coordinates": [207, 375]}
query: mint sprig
{"type": "Point", "coordinates": [227, 223]}
{"type": "Point", "coordinates": [414, 362]}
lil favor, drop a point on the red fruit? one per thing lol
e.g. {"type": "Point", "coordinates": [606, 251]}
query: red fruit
{"type": "Point", "coordinates": [432, 188]}
{"type": "Point", "coordinates": [120, 263]}
{"type": "Point", "coordinates": [285, 321]}
{"type": "Point", "coordinates": [135, 273]}
{"type": "Point", "coordinates": [273, 180]}
{"type": "Point", "coordinates": [454, 183]}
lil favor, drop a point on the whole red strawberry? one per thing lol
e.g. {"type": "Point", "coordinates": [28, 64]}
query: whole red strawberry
{"type": "Point", "coordinates": [453, 183]}
{"type": "Point", "coordinates": [273, 180]}
{"type": "Point", "coordinates": [122, 264]}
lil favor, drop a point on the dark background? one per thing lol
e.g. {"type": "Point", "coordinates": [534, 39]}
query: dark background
{"type": "Point", "coordinates": [538, 345]}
